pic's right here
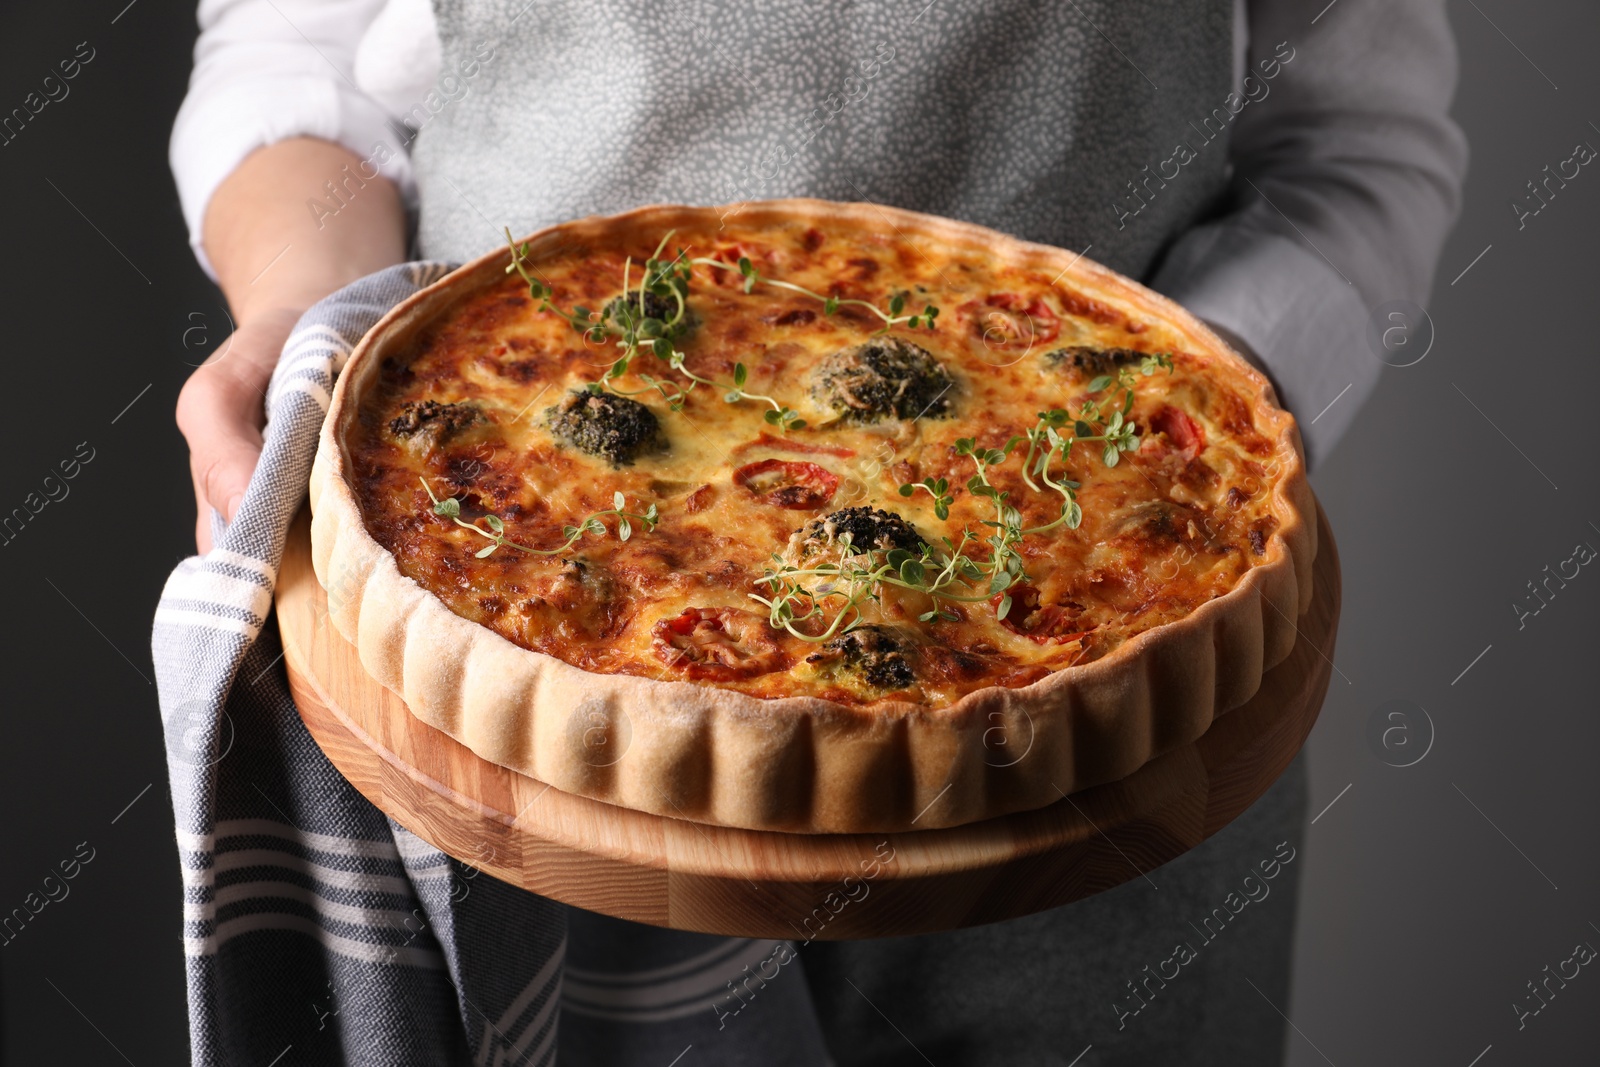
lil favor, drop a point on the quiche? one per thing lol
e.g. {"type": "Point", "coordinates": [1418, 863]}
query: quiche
{"type": "Point", "coordinates": [808, 516]}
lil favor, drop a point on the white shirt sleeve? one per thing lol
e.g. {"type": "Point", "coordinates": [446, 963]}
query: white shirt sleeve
{"type": "Point", "coordinates": [268, 70]}
{"type": "Point", "coordinates": [1347, 178]}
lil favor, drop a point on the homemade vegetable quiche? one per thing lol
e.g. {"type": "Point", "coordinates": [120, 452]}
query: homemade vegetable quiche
{"type": "Point", "coordinates": [809, 516]}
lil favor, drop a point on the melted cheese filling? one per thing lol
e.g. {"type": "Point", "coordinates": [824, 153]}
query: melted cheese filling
{"type": "Point", "coordinates": [1173, 525]}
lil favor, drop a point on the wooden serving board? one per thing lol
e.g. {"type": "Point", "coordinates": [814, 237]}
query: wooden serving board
{"type": "Point", "coordinates": [751, 883]}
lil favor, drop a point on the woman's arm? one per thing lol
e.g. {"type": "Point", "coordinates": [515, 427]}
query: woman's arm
{"type": "Point", "coordinates": [1348, 175]}
{"type": "Point", "coordinates": [273, 259]}
{"type": "Point", "coordinates": [272, 98]}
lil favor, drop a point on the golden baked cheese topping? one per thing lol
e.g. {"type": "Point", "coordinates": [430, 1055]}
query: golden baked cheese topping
{"type": "Point", "coordinates": [772, 492]}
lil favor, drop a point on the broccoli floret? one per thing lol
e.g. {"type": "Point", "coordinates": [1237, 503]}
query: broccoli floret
{"type": "Point", "coordinates": [879, 655]}
{"type": "Point", "coordinates": [885, 377]}
{"type": "Point", "coordinates": [604, 424]}
{"type": "Point", "coordinates": [440, 421]}
{"type": "Point", "coordinates": [867, 528]}
{"type": "Point", "coordinates": [1087, 362]}
{"type": "Point", "coordinates": [658, 307]}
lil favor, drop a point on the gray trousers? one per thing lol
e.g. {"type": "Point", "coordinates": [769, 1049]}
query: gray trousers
{"type": "Point", "coordinates": [1186, 968]}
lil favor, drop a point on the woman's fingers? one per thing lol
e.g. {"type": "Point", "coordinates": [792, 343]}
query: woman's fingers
{"type": "Point", "coordinates": [221, 470]}
{"type": "Point", "coordinates": [221, 412]}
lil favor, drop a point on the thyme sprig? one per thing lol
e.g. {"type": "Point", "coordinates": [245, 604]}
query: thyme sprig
{"type": "Point", "coordinates": [830, 304]}
{"type": "Point", "coordinates": [450, 508]}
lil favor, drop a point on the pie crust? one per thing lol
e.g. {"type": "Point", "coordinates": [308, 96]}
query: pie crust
{"type": "Point", "coordinates": [807, 764]}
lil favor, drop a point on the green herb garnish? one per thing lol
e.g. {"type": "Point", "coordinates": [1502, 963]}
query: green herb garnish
{"type": "Point", "coordinates": [830, 304]}
{"type": "Point", "coordinates": [450, 508]}
{"type": "Point", "coordinates": [649, 317]}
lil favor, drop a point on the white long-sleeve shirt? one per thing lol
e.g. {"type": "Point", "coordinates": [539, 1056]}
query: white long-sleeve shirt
{"type": "Point", "coordinates": [1345, 184]}
{"type": "Point", "coordinates": [268, 70]}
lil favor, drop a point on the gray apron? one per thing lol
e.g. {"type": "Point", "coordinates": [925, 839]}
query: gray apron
{"type": "Point", "coordinates": [1056, 122]}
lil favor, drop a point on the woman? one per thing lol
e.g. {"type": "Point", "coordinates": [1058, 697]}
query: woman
{"type": "Point", "coordinates": [1275, 169]}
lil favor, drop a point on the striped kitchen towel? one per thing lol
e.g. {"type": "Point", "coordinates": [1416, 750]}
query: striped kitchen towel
{"type": "Point", "coordinates": [318, 931]}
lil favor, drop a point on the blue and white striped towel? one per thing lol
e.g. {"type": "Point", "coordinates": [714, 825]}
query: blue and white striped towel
{"type": "Point", "coordinates": [317, 930]}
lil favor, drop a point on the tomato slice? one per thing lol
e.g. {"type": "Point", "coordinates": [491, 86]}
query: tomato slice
{"type": "Point", "coordinates": [1052, 624]}
{"type": "Point", "coordinates": [790, 484]}
{"type": "Point", "coordinates": [699, 500]}
{"type": "Point", "coordinates": [1185, 434]}
{"type": "Point", "coordinates": [731, 254]}
{"type": "Point", "coordinates": [718, 644]}
{"type": "Point", "coordinates": [1016, 321]}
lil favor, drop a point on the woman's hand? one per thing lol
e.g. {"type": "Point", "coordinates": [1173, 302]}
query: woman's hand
{"type": "Point", "coordinates": [221, 412]}
{"type": "Point", "coordinates": [274, 258]}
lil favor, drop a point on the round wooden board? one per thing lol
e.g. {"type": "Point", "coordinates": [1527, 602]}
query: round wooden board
{"type": "Point", "coordinates": [751, 883]}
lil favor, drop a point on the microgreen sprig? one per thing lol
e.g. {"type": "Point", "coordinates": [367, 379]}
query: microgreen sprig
{"type": "Point", "coordinates": [1110, 414]}
{"type": "Point", "coordinates": [801, 594]}
{"type": "Point", "coordinates": [830, 304]}
{"type": "Point", "coordinates": [628, 320]}
{"type": "Point", "coordinates": [939, 489]}
{"type": "Point", "coordinates": [1099, 419]}
{"type": "Point", "coordinates": [781, 416]}
{"type": "Point", "coordinates": [450, 508]}
{"type": "Point", "coordinates": [1004, 568]}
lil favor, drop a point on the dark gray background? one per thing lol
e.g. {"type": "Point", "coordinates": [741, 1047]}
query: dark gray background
{"type": "Point", "coordinates": [1420, 919]}
{"type": "Point", "coordinates": [1432, 893]}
